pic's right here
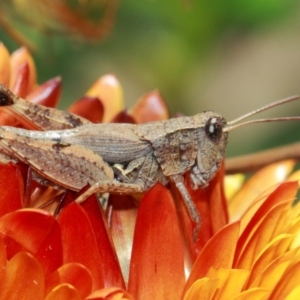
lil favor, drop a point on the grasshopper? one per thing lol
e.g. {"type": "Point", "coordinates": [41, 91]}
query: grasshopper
{"type": "Point", "coordinates": [71, 152]}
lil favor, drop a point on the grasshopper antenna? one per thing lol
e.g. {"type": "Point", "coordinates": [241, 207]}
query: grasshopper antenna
{"type": "Point", "coordinates": [232, 124]}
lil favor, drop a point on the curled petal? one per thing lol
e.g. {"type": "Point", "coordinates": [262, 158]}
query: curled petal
{"type": "Point", "coordinates": [112, 293]}
{"type": "Point", "coordinates": [63, 292]}
{"type": "Point", "coordinates": [36, 231]}
{"type": "Point", "coordinates": [75, 274]}
{"type": "Point", "coordinates": [109, 91]}
{"type": "Point", "coordinates": [90, 108]}
{"type": "Point", "coordinates": [18, 58]}
{"type": "Point", "coordinates": [4, 65]}
{"type": "Point", "coordinates": [157, 266]}
{"type": "Point", "coordinates": [46, 94]}
{"type": "Point", "coordinates": [150, 107]}
{"type": "Point", "coordinates": [23, 278]}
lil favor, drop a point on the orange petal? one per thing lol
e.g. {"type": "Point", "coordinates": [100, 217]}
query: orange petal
{"type": "Point", "coordinates": [90, 108]}
{"type": "Point", "coordinates": [206, 287]}
{"type": "Point", "coordinates": [46, 94]}
{"type": "Point", "coordinates": [109, 91]}
{"type": "Point", "coordinates": [265, 258]}
{"type": "Point", "coordinates": [75, 274]}
{"type": "Point", "coordinates": [211, 204]}
{"type": "Point", "coordinates": [218, 202]}
{"type": "Point", "coordinates": [79, 243]}
{"type": "Point", "coordinates": [270, 226]}
{"type": "Point", "coordinates": [123, 217]}
{"type": "Point", "coordinates": [211, 256]}
{"type": "Point", "coordinates": [273, 273]}
{"type": "Point", "coordinates": [4, 65]}
{"type": "Point", "coordinates": [285, 191]}
{"type": "Point", "coordinates": [110, 268]}
{"type": "Point", "coordinates": [63, 292]}
{"type": "Point", "coordinates": [38, 232]}
{"type": "Point", "coordinates": [112, 293]}
{"type": "Point", "coordinates": [18, 58]}
{"type": "Point", "coordinates": [23, 278]}
{"type": "Point", "coordinates": [157, 266]}
{"type": "Point", "coordinates": [21, 86]}
{"type": "Point", "coordinates": [12, 190]}
{"type": "Point", "coordinates": [150, 107]}
{"type": "Point", "coordinates": [266, 177]}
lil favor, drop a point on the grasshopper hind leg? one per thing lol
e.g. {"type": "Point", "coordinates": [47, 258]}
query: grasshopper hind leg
{"type": "Point", "coordinates": [140, 175]}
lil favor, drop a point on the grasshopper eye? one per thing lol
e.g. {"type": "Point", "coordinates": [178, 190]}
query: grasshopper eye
{"type": "Point", "coordinates": [5, 99]}
{"type": "Point", "coordinates": [214, 129]}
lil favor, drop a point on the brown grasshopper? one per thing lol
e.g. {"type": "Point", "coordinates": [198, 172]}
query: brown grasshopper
{"type": "Point", "coordinates": [71, 152]}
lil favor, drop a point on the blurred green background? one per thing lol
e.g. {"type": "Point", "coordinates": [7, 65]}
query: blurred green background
{"type": "Point", "coordinates": [228, 56]}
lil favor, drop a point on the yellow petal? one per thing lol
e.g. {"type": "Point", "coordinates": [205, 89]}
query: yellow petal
{"type": "Point", "coordinates": [294, 294]}
{"type": "Point", "coordinates": [294, 176]}
{"type": "Point", "coordinates": [205, 287]}
{"type": "Point", "coordinates": [266, 177]}
{"type": "Point", "coordinates": [253, 294]}
{"type": "Point", "coordinates": [288, 282]}
{"type": "Point", "coordinates": [108, 89]}
{"type": "Point", "coordinates": [4, 65]}
{"type": "Point", "coordinates": [230, 284]}
{"type": "Point", "coordinates": [233, 183]}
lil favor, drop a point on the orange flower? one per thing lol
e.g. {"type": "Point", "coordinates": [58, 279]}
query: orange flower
{"type": "Point", "coordinates": [248, 246]}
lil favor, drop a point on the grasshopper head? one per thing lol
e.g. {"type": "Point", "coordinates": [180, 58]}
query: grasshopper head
{"type": "Point", "coordinates": [211, 145]}
{"type": "Point", "coordinates": [5, 96]}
